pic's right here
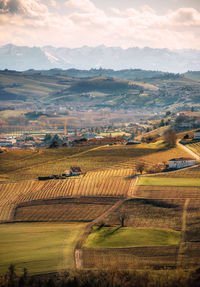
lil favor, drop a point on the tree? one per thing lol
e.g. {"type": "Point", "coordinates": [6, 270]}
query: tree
{"type": "Point", "coordinates": [11, 274]}
{"type": "Point", "coordinates": [132, 135]}
{"type": "Point", "coordinates": [122, 217]}
{"type": "Point", "coordinates": [56, 138]}
{"type": "Point", "coordinates": [186, 137]}
{"type": "Point", "coordinates": [170, 138]}
{"type": "Point", "coordinates": [140, 167]}
{"type": "Point", "coordinates": [47, 138]}
{"type": "Point", "coordinates": [54, 144]}
{"type": "Point", "coordinates": [162, 123]}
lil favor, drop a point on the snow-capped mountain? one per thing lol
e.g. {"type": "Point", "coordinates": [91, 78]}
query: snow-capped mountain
{"type": "Point", "coordinates": [39, 58]}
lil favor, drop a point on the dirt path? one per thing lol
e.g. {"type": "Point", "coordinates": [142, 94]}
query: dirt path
{"type": "Point", "coordinates": [78, 251]}
{"type": "Point", "coordinates": [133, 187]}
{"type": "Point", "coordinates": [183, 229]}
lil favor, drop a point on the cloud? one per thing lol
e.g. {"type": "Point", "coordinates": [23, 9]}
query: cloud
{"type": "Point", "coordinates": [29, 8]}
{"type": "Point", "coordinates": [30, 22]}
{"type": "Point", "coordinates": [84, 5]}
{"type": "Point", "coordinates": [53, 3]}
{"type": "Point", "coordinates": [186, 16]}
{"type": "Point", "coordinates": [13, 6]}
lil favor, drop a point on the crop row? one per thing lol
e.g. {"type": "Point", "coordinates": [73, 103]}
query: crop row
{"type": "Point", "coordinates": [153, 159]}
{"type": "Point", "coordinates": [60, 212]}
{"type": "Point", "coordinates": [100, 183]}
{"type": "Point", "coordinates": [167, 192]}
{"type": "Point", "coordinates": [195, 147]}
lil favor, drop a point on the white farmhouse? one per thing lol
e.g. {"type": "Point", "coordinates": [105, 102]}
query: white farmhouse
{"type": "Point", "coordinates": [197, 135]}
{"type": "Point", "coordinates": [176, 163]}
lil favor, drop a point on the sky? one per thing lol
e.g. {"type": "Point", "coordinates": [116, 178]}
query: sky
{"type": "Point", "coordinates": [172, 24]}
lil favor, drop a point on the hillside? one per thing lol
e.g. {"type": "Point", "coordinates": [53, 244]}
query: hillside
{"type": "Point", "coordinates": [96, 89]}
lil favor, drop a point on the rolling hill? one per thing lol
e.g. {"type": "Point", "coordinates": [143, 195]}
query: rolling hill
{"type": "Point", "coordinates": [96, 89]}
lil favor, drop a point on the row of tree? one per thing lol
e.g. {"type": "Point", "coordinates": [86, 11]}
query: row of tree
{"type": "Point", "coordinates": [103, 278]}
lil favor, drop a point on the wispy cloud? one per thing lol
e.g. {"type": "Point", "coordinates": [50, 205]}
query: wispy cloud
{"type": "Point", "coordinates": [84, 5]}
{"type": "Point", "coordinates": [31, 22]}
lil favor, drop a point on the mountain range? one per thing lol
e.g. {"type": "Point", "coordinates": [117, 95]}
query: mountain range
{"type": "Point", "coordinates": [22, 58]}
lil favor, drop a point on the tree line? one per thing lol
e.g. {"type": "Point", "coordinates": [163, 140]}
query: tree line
{"type": "Point", "coordinates": [102, 278]}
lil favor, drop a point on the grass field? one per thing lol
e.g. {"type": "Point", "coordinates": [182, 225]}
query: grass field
{"type": "Point", "coordinates": [112, 237]}
{"type": "Point", "coordinates": [40, 247]}
{"type": "Point", "coordinates": [163, 181]}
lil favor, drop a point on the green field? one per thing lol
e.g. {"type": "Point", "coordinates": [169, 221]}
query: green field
{"type": "Point", "coordinates": [112, 237]}
{"type": "Point", "coordinates": [40, 247]}
{"type": "Point", "coordinates": [163, 181]}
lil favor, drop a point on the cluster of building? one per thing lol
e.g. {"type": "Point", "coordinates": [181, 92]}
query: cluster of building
{"type": "Point", "coordinates": [22, 142]}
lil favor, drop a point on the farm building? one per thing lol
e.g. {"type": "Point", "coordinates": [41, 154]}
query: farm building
{"type": "Point", "coordinates": [75, 170]}
{"type": "Point", "coordinates": [181, 162]}
{"type": "Point", "coordinates": [197, 135]}
{"type": "Point", "coordinates": [66, 172]}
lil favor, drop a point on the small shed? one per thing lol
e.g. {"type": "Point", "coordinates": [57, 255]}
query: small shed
{"type": "Point", "coordinates": [75, 170]}
{"type": "Point", "coordinates": [181, 162]}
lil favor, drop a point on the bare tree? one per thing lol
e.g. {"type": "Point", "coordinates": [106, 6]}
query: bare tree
{"type": "Point", "coordinates": [140, 167]}
{"type": "Point", "coordinates": [122, 217]}
{"type": "Point", "coordinates": [170, 138]}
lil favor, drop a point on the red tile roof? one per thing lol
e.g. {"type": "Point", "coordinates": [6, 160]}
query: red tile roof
{"type": "Point", "coordinates": [75, 169]}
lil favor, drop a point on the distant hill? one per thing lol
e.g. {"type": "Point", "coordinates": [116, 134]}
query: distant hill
{"type": "Point", "coordinates": [42, 58]}
{"type": "Point", "coordinates": [193, 75]}
{"type": "Point", "coordinates": [82, 90]}
{"type": "Point", "coordinates": [128, 74]}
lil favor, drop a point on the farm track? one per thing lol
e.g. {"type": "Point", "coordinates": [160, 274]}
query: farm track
{"type": "Point", "coordinates": [183, 230]}
{"type": "Point", "coordinates": [78, 251]}
{"type": "Point", "coordinates": [133, 187]}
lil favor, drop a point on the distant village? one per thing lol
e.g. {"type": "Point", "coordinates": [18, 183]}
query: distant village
{"type": "Point", "coordinates": [128, 133]}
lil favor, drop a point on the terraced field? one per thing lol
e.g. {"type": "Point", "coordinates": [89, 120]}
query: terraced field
{"type": "Point", "coordinates": [86, 197]}
{"type": "Point", "coordinates": [105, 183]}
{"type": "Point", "coordinates": [190, 253]}
{"type": "Point", "coordinates": [160, 156]}
{"type": "Point", "coordinates": [26, 165]}
{"type": "Point", "coordinates": [192, 172]}
{"type": "Point", "coordinates": [161, 213]}
{"type": "Point", "coordinates": [65, 210]}
{"type": "Point", "coordinates": [167, 192]}
{"type": "Point", "coordinates": [140, 214]}
{"type": "Point", "coordinates": [195, 147]}
{"type": "Point", "coordinates": [145, 257]}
